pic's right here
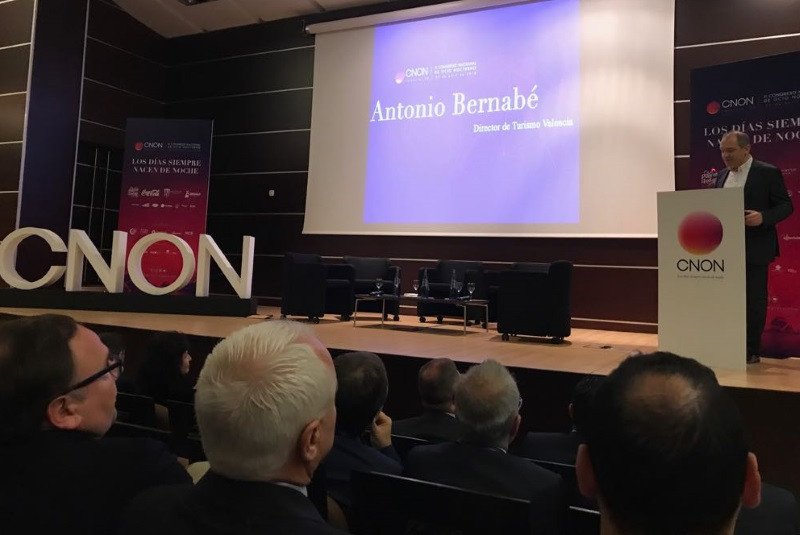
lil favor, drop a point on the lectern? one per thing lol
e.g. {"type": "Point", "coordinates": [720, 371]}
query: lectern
{"type": "Point", "coordinates": [701, 276]}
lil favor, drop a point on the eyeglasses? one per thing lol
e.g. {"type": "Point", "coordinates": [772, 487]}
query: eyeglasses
{"type": "Point", "coordinates": [115, 367]}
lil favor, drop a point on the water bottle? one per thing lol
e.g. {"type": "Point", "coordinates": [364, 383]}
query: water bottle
{"type": "Point", "coordinates": [424, 289]}
{"type": "Point", "coordinates": [453, 293]}
{"type": "Point", "coordinates": [396, 283]}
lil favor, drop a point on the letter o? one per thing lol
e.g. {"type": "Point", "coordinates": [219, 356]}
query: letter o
{"type": "Point", "coordinates": [681, 264]}
{"type": "Point", "coordinates": [135, 263]}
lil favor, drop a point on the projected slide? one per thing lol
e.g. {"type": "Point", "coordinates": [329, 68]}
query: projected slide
{"type": "Point", "coordinates": [474, 118]}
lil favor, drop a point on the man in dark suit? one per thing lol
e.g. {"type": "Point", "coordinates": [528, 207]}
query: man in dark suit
{"type": "Point", "coordinates": [437, 382]}
{"type": "Point", "coordinates": [57, 398]}
{"type": "Point", "coordinates": [766, 202]}
{"type": "Point", "coordinates": [265, 409]}
{"type": "Point", "coordinates": [363, 389]}
{"type": "Point", "coordinates": [487, 404]}
{"type": "Point", "coordinates": [562, 447]}
{"type": "Point", "coordinates": [665, 451]}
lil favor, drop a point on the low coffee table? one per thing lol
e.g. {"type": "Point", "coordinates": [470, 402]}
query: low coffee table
{"type": "Point", "coordinates": [463, 303]}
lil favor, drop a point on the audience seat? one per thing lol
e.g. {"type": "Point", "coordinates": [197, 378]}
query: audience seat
{"type": "Point", "coordinates": [403, 444]}
{"type": "Point", "coordinates": [386, 505]}
{"type": "Point", "coordinates": [136, 409]}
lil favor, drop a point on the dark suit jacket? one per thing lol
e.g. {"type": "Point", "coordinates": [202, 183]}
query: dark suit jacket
{"type": "Point", "coordinates": [70, 482]}
{"type": "Point", "coordinates": [764, 192]}
{"type": "Point", "coordinates": [495, 472]}
{"type": "Point", "coordinates": [350, 453]}
{"type": "Point", "coordinates": [553, 447]}
{"type": "Point", "coordinates": [778, 514]}
{"type": "Point", "coordinates": [433, 425]}
{"type": "Point", "coordinates": [218, 505]}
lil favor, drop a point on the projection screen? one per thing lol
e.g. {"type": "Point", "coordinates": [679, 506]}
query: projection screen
{"type": "Point", "coordinates": [549, 118]}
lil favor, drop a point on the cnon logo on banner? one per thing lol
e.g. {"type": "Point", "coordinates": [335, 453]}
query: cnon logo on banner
{"type": "Point", "coordinates": [762, 98]}
{"type": "Point", "coordinates": [165, 178]}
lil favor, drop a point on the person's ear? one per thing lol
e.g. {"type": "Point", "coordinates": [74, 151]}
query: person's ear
{"type": "Point", "coordinates": [62, 413]}
{"type": "Point", "coordinates": [751, 494]}
{"type": "Point", "coordinates": [310, 441]}
{"type": "Point", "coordinates": [515, 428]}
{"type": "Point", "coordinates": [584, 472]}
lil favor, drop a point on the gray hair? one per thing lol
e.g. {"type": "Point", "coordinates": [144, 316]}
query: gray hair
{"type": "Point", "coordinates": [742, 139]}
{"type": "Point", "coordinates": [258, 389]}
{"type": "Point", "coordinates": [487, 402]}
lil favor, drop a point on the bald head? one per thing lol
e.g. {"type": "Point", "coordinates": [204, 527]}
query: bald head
{"type": "Point", "coordinates": [667, 447]}
{"type": "Point", "coordinates": [437, 383]}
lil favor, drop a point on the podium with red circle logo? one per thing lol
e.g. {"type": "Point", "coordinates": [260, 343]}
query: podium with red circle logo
{"type": "Point", "coordinates": [701, 276]}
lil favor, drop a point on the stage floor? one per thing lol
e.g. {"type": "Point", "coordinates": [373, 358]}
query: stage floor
{"type": "Point", "coordinates": [585, 351]}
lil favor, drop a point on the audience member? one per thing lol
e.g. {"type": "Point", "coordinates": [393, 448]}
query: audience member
{"type": "Point", "coordinates": [363, 389]}
{"type": "Point", "coordinates": [57, 396]}
{"type": "Point", "coordinates": [437, 382]}
{"type": "Point", "coordinates": [116, 350]}
{"type": "Point", "coordinates": [562, 447]}
{"type": "Point", "coordinates": [164, 373]}
{"type": "Point", "coordinates": [665, 451]}
{"type": "Point", "coordinates": [265, 407]}
{"type": "Point", "coordinates": [487, 404]}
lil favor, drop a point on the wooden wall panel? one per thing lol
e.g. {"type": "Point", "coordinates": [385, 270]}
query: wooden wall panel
{"type": "Point", "coordinates": [250, 193]}
{"type": "Point", "coordinates": [10, 159]}
{"type": "Point", "coordinates": [256, 153]}
{"type": "Point", "coordinates": [285, 110]}
{"type": "Point", "coordinates": [12, 117]}
{"type": "Point", "coordinates": [16, 21]}
{"type": "Point", "coordinates": [110, 24]}
{"type": "Point", "coordinates": [14, 69]}
{"type": "Point", "coordinates": [710, 21]}
{"type": "Point", "coordinates": [287, 69]}
{"type": "Point", "coordinates": [124, 70]}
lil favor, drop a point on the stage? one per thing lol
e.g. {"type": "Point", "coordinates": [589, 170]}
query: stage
{"type": "Point", "coordinates": [586, 351]}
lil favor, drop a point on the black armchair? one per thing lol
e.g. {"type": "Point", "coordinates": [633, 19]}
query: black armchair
{"type": "Point", "coordinates": [534, 299]}
{"type": "Point", "coordinates": [439, 282]}
{"type": "Point", "coordinates": [311, 288]}
{"type": "Point", "coordinates": [366, 272]}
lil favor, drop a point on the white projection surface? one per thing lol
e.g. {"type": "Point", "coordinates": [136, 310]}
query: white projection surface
{"type": "Point", "coordinates": [549, 118]}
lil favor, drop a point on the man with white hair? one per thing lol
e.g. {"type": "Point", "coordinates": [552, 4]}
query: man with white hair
{"type": "Point", "coordinates": [266, 413]}
{"type": "Point", "coordinates": [487, 404]}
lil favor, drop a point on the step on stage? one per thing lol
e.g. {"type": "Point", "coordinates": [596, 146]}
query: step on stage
{"type": "Point", "coordinates": [768, 393]}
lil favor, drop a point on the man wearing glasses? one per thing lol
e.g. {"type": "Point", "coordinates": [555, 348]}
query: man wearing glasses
{"type": "Point", "coordinates": [57, 398]}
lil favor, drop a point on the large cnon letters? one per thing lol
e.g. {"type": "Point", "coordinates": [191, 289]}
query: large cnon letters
{"type": "Point", "coordinates": [8, 258]}
{"type": "Point", "coordinates": [208, 249]}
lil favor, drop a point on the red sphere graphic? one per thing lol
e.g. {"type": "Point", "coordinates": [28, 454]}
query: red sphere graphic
{"type": "Point", "coordinates": [399, 77]}
{"type": "Point", "coordinates": [138, 145]}
{"type": "Point", "coordinates": [700, 233]}
{"type": "Point", "coordinates": [712, 107]}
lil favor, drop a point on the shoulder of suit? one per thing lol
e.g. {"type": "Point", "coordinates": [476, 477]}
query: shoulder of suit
{"type": "Point", "coordinates": [763, 165]}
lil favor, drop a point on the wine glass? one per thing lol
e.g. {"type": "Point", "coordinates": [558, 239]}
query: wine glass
{"type": "Point", "coordinates": [470, 288]}
{"type": "Point", "coordinates": [458, 285]}
{"type": "Point", "coordinates": [415, 284]}
{"type": "Point", "coordinates": [378, 285]}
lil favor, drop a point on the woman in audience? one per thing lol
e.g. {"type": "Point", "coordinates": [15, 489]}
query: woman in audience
{"type": "Point", "coordinates": [164, 374]}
